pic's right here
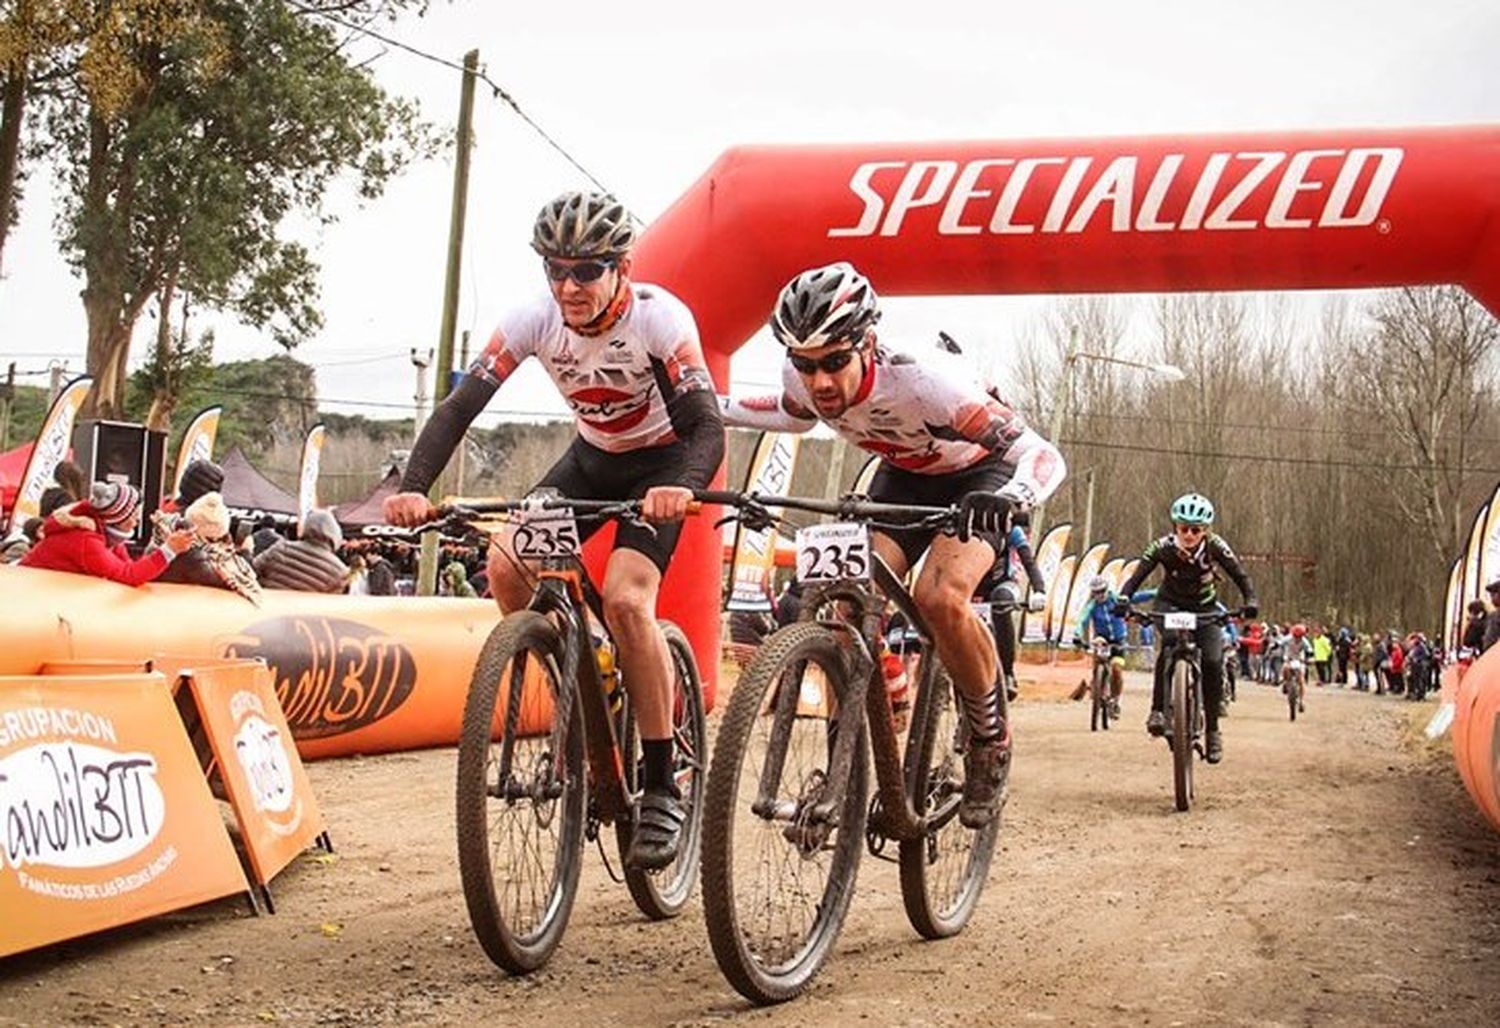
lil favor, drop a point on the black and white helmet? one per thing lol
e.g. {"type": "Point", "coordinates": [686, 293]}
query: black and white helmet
{"type": "Point", "coordinates": [583, 225]}
{"type": "Point", "coordinates": [823, 306]}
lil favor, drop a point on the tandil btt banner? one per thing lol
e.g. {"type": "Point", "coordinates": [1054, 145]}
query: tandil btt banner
{"type": "Point", "coordinates": [51, 448]}
{"type": "Point", "coordinates": [1057, 597]}
{"type": "Point", "coordinates": [307, 478]}
{"type": "Point", "coordinates": [1048, 559]}
{"type": "Point", "coordinates": [1088, 567]}
{"type": "Point", "coordinates": [1473, 584]}
{"type": "Point", "coordinates": [770, 474]}
{"type": "Point", "coordinates": [107, 816]}
{"type": "Point", "coordinates": [197, 443]}
{"type": "Point", "coordinates": [1114, 573]}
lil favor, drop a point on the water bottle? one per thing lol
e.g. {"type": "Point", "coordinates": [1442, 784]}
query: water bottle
{"type": "Point", "coordinates": [609, 676]}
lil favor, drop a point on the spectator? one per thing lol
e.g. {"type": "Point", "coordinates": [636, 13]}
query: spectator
{"type": "Point", "coordinates": [1359, 653]}
{"type": "Point", "coordinates": [1323, 655]}
{"type": "Point", "coordinates": [1418, 667]}
{"type": "Point", "coordinates": [1396, 665]}
{"type": "Point", "coordinates": [1380, 662]}
{"type": "Point", "coordinates": [72, 486]}
{"type": "Point", "coordinates": [382, 577]}
{"type": "Point", "coordinates": [359, 576]}
{"type": "Point", "coordinates": [1473, 638]}
{"type": "Point", "coordinates": [456, 581]}
{"type": "Point", "coordinates": [88, 538]}
{"type": "Point", "coordinates": [1492, 621]}
{"type": "Point", "coordinates": [215, 561]}
{"type": "Point", "coordinates": [1343, 646]}
{"type": "Point", "coordinates": [309, 564]}
{"type": "Point", "coordinates": [18, 545]}
{"type": "Point", "coordinates": [1255, 637]}
{"type": "Point", "coordinates": [789, 604]}
{"type": "Point", "coordinates": [1276, 642]}
{"type": "Point", "coordinates": [265, 535]}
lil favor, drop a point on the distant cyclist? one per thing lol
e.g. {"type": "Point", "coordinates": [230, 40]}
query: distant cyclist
{"type": "Point", "coordinates": [1100, 614]}
{"type": "Point", "coordinates": [1188, 557]}
{"type": "Point", "coordinates": [1296, 652]}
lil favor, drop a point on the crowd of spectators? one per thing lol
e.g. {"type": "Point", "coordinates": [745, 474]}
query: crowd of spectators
{"type": "Point", "coordinates": [90, 528]}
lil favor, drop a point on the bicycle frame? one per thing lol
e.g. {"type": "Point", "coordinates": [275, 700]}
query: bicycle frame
{"type": "Point", "coordinates": [898, 817]}
{"type": "Point", "coordinates": [563, 591]}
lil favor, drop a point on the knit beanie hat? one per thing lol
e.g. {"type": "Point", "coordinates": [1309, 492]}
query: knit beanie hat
{"type": "Point", "coordinates": [112, 503]}
{"type": "Point", "coordinates": [209, 516]}
{"type": "Point", "coordinates": [200, 477]}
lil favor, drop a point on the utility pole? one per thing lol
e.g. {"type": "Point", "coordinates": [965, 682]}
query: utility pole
{"type": "Point", "coordinates": [420, 360]}
{"type": "Point", "coordinates": [1088, 513]}
{"type": "Point", "coordinates": [463, 444]}
{"type": "Point", "coordinates": [427, 569]}
{"type": "Point", "coordinates": [7, 397]}
{"type": "Point", "coordinates": [55, 371]}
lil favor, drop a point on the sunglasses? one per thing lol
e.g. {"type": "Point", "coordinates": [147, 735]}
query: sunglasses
{"type": "Point", "coordinates": [1190, 529]}
{"type": "Point", "coordinates": [829, 363]}
{"type": "Point", "coordinates": [583, 272]}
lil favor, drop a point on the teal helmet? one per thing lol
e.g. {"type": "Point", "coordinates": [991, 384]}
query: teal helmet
{"type": "Point", "coordinates": [1192, 509]}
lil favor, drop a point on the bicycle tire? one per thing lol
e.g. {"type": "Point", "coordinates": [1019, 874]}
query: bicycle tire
{"type": "Point", "coordinates": [516, 940]}
{"type": "Point", "coordinates": [774, 970]}
{"type": "Point", "coordinates": [942, 873]}
{"type": "Point", "coordinates": [1293, 694]}
{"type": "Point", "coordinates": [1182, 734]}
{"type": "Point", "coordinates": [663, 894]}
{"type": "Point", "coordinates": [1099, 690]}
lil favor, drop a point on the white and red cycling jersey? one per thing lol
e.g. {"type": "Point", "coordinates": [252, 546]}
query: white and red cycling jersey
{"type": "Point", "coordinates": [928, 415]}
{"type": "Point", "coordinates": [619, 383]}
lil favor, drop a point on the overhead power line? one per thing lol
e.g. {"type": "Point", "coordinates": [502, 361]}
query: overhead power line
{"type": "Point", "coordinates": [1266, 459]}
{"type": "Point", "coordinates": [500, 92]}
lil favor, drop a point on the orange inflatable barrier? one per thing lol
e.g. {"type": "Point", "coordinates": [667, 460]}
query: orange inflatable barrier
{"type": "Point", "coordinates": [1476, 732]}
{"type": "Point", "coordinates": [354, 674]}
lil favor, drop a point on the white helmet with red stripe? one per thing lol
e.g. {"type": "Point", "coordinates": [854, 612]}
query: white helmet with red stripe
{"type": "Point", "coordinates": [824, 305]}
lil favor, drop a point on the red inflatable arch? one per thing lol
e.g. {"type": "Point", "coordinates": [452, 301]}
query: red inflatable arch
{"type": "Point", "coordinates": [1305, 210]}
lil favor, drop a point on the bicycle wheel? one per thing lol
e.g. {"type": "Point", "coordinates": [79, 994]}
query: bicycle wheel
{"type": "Point", "coordinates": [776, 889]}
{"type": "Point", "coordinates": [663, 894]}
{"type": "Point", "coordinates": [942, 873]}
{"type": "Point", "coordinates": [1099, 691]}
{"type": "Point", "coordinates": [1293, 694]}
{"type": "Point", "coordinates": [520, 796]}
{"type": "Point", "coordinates": [1182, 733]}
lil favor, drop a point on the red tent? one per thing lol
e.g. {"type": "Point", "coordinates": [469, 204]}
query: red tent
{"type": "Point", "coordinates": [356, 514]}
{"type": "Point", "coordinates": [12, 467]}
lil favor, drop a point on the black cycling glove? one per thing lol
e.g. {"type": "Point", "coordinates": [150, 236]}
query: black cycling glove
{"type": "Point", "coordinates": [981, 512]}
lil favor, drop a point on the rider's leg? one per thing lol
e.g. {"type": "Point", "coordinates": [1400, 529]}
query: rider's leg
{"type": "Point", "coordinates": [1211, 647]}
{"type": "Point", "coordinates": [964, 644]}
{"type": "Point", "coordinates": [1116, 677]}
{"type": "Point", "coordinates": [510, 581]}
{"type": "Point", "coordinates": [631, 582]}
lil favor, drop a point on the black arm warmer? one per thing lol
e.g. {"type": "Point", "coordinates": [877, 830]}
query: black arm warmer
{"type": "Point", "coordinates": [443, 432]}
{"type": "Point", "coordinates": [1033, 573]}
{"type": "Point", "coordinates": [699, 424]}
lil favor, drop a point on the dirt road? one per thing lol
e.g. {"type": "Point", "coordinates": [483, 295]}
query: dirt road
{"type": "Point", "coordinates": [1333, 872]}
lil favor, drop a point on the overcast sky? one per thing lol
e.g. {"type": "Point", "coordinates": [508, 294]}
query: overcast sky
{"type": "Point", "coordinates": [646, 95]}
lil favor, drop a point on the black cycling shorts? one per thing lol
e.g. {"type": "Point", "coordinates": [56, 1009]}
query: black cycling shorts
{"type": "Point", "coordinates": [586, 472]}
{"type": "Point", "coordinates": [893, 485]}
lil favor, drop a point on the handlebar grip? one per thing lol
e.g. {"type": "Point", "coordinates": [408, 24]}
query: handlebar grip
{"type": "Point", "coordinates": [720, 496]}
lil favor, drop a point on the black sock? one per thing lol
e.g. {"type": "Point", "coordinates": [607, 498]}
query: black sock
{"type": "Point", "coordinates": [658, 763]}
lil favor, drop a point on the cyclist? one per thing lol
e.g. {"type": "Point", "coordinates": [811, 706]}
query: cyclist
{"type": "Point", "coordinates": [1187, 558]}
{"type": "Point", "coordinates": [1099, 612]}
{"type": "Point", "coordinates": [1296, 651]}
{"type": "Point", "coordinates": [627, 359]}
{"type": "Point", "coordinates": [1001, 590]}
{"type": "Point", "coordinates": [942, 439]}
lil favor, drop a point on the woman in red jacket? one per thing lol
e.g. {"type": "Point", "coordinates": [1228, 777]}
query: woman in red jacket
{"type": "Point", "coordinates": [88, 538]}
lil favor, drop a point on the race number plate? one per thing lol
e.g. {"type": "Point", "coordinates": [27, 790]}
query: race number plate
{"type": "Point", "coordinates": [542, 534]}
{"type": "Point", "coordinates": [836, 551]}
{"type": "Point", "coordinates": [1183, 619]}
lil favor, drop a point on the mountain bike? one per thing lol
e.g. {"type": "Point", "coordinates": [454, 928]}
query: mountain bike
{"type": "Point", "coordinates": [549, 751]}
{"type": "Point", "coordinates": [786, 808]}
{"type": "Point", "coordinates": [1101, 702]}
{"type": "Point", "coordinates": [1183, 668]}
{"type": "Point", "coordinates": [1294, 684]}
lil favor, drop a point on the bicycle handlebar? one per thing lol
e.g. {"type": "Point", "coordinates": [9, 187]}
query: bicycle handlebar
{"type": "Point", "coordinates": [1140, 616]}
